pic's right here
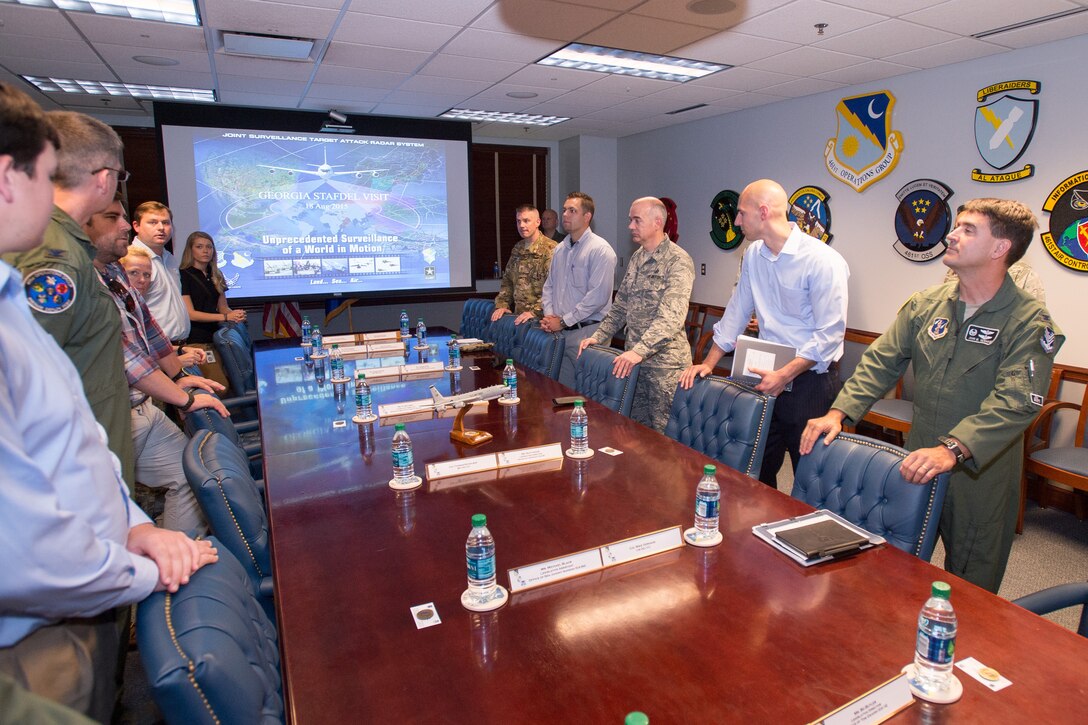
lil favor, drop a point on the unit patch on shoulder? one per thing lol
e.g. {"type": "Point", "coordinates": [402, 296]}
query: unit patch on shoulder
{"type": "Point", "coordinates": [981, 335]}
{"type": "Point", "coordinates": [49, 291]}
{"type": "Point", "coordinates": [939, 328]}
{"type": "Point", "coordinates": [1048, 339]}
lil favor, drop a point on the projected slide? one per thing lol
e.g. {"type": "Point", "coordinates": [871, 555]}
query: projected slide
{"type": "Point", "coordinates": [320, 214]}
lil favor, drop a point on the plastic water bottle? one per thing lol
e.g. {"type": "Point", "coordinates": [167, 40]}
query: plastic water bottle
{"type": "Point", "coordinates": [403, 466]}
{"type": "Point", "coordinates": [363, 404]}
{"type": "Point", "coordinates": [480, 557]}
{"type": "Point", "coordinates": [935, 650]}
{"type": "Point", "coordinates": [510, 380]}
{"type": "Point", "coordinates": [421, 332]}
{"type": "Point", "coordinates": [579, 428]}
{"type": "Point", "coordinates": [455, 354]}
{"type": "Point", "coordinates": [306, 339]}
{"type": "Point", "coordinates": [403, 324]}
{"type": "Point", "coordinates": [336, 363]}
{"type": "Point", "coordinates": [316, 340]}
{"type": "Point", "coordinates": [707, 498]}
{"type": "Point", "coordinates": [496, 271]}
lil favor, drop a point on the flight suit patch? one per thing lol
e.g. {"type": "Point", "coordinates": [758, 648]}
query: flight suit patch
{"type": "Point", "coordinates": [49, 291]}
{"type": "Point", "coordinates": [1048, 339]}
{"type": "Point", "coordinates": [1037, 399]}
{"type": "Point", "coordinates": [939, 328]}
{"type": "Point", "coordinates": [981, 335]}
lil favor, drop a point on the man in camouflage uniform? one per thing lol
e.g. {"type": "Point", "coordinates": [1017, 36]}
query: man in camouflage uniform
{"type": "Point", "coordinates": [652, 302]}
{"type": "Point", "coordinates": [982, 350]}
{"type": "Point", "coordinates": [527, 270]}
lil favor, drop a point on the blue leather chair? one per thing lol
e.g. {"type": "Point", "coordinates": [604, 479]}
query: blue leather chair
{"type": "Point", "coordinates": [476, 318]}
{"type": "Point", "coordinates": [210, 651]}
{"type": "Point", "coordinates": [593, 378]}
{"type": "Point", "coordinates": [508, 338]}
{"type": "Point", "coordinates": [858, 478]}
{"type": "Point", "coordinates": [1059, 597]}
{"type": "Point", "coordinates": [218, 473]}
{"type": "Point", "coordinates": [236, 353]}
{"type": "Point", "coordinates": [246, 435]}
{"type": "Point", "coordinates": [724, 419]}
{"type": "Point", "coordinates": [542, 351]}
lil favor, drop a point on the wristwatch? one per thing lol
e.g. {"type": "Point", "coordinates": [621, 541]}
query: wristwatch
{"type": "Point", "coordinates": [188, 403]}
{"type": "Point", "coordinates": [953, 445]}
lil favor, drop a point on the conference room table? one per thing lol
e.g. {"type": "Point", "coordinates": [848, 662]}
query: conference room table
{"type": "Point", "coordinates": [733, 633]}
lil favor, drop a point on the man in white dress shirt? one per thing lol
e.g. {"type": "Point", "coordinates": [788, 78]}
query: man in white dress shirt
{"type": "Point", "coordinates": [154, 226]}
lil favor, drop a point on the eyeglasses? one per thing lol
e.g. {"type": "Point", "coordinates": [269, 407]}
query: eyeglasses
{"type": "Point", "coordinates": [121, 293]}
{"type": "Point", "coordinates": [122, 175]}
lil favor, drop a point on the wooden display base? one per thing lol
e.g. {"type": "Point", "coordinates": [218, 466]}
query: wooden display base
{"type": "Point", "coordinates": [470, 437]}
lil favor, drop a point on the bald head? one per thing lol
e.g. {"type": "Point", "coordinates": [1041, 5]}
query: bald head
{"type": "Point", "coordinates": [766, 192]}
{"type": "Point", "coordinates": [761, 213]}
{"type": "Point", "coordinates": [646, 222]}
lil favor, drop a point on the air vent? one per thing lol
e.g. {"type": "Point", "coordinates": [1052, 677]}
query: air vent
{"type": "Point", "coordinates": [685, 110]}
{"type": "Point", "coordinates": [267, 46]}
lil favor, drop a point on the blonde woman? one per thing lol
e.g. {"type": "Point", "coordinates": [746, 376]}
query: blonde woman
{"type": "Point", "coordinates": [203, 289]}
{"type": "Point", "coordinates": [137, 265]}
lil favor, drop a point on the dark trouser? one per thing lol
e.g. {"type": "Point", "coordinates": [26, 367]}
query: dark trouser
{"type": "Point", "coordinates": [811, 397]}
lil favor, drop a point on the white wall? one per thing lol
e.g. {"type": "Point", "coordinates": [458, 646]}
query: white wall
{"type": "Point", "coordinates": [934, 111]}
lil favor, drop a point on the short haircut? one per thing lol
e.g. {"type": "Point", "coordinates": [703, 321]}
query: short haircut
{"type": "Point", "coordinates": [134, 251]}
{"type": "Point", "coordinates": [585, 199]}
{"type": "Point", "coordinates": [148, 207]}
{"type": "Point", "coordinates": [1009, 219]}
{"type": "Point", "coordinates": [86, 145]}
{"type": "Point", "coordinates": [24, 129]}
{"type": "Point", "coordinates": [526, 207]}
{"type": "Point", "coordinates": [657, 207]}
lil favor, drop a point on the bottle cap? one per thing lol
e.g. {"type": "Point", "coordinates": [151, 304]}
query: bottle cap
{"type": "Point", "coordinates": [709, 470]}
{"type": "Point", "coordinates": [336, 346]}
{"type": "Point", "coordinates": [360, 376]}
{"type": "Point", "coordinates": [636, 718]}
{"type": "Point", "coordinates": [398, 426]}
{"type": "Point", "coordinates": [509, 361]}
{"type": "Point", "coordinates": [941, 590]}
{"type": "Point", "coordinates": [578, 403]}
{"type": "Point", "coordinates": [479, 520]}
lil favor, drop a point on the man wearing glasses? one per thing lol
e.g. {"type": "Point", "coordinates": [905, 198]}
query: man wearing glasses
{"type": "Point", "coordinates": [63, 289]}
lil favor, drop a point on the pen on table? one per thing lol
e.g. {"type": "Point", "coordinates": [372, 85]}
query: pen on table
{"type": "Point", "coordinates": [1031, 370]}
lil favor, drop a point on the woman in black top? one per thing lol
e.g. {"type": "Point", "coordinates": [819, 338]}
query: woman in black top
{"type": "Point", "coordinates": [204, 290]}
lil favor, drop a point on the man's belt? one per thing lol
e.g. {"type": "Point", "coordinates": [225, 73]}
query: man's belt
{"type": "Point", "coordinates": [580, 325]}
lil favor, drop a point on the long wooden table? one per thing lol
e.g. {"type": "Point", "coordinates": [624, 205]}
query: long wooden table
{"type": "Point", "coordinates": [736, 633]}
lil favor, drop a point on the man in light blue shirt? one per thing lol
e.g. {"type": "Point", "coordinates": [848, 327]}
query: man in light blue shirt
{"type": "Point", "coordinates": [74, 545]}
{"type": "Point", "coordinates": [578, 293]}
{"type": "Point", "coordinates": [796, 286]}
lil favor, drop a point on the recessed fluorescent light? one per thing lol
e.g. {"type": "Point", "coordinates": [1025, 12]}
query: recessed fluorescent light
{"type": "Point", "coordinates": [630, 63]}
{"type": "Point", "coordinates": [181, 12]}
{"type": "Point", "coordinates": [522, 119]}
{"type": "Point", "coordinates": [134, 90]}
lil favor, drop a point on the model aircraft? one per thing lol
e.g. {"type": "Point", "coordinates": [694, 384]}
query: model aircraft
{"type": "Point", "coordinates": [323, 170]}
{"type": "Point", "coordinates": [464, 399]}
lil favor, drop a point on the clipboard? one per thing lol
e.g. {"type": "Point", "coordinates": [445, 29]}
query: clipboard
{"type": "Point", "coordinates": [752, 352]}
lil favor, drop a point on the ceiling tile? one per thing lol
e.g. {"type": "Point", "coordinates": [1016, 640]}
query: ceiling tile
{"type": "Point", "coordinates": [386, 32]}
{"type": "Point", "coordinates": [375, 58]}
{"type": "Point", "coordinates": [806, 60]}
{"type": "Point", "coordinates": [344, 76]}
{"type": "Point", "coordinates": [20, 20]}
{"type": "Point", "coordinates": [154, 76]}
{"type": "Point", "coordinates": [414, 98]}
{"type": "Point", "coordinates": [454, 13]}
{"type": "Point", "coordinates": [743, 79]}
{"type": "Point", "coordinates": [262, 100]}
{"type": "Point", "coordinates": [500, 46]}
{"type": "Point", "coordinates": [120, 59]}
{"type": "Point", "coordinates": [803, 87]}
{"type": "Point", "coordinates": [893, 9]}
{"type": "Point", "coordinates": [396, 109]}
{"type": "Point", "coordinates": [542, 19]}
{"type": "Point", "coordinates": [316, 103]}
{"type": "Point", "coordinates": [22, 46]}
{"type": "Point", "coordinates": [551, 77]}
{"type": "Point", "coordinates": [337, 94]}
{"type": "Point", "coordinates": [954, 51]}
{"type": "Point", "coordinates": [886, 38]}
{"type": "Point", "coordinates": [140, 33]}
{"type": "Point", "coordinates": [434, 84]}
{"type": "Point", "coordinates": [975, 16]}
{"type": "Point", "coordinates": [560, 107]}
{"type": "Point", "coordinates": [733, 48]}
{"type": "Point", "coordinates": [796, 22]}
{"type": "Point", "coordinates": [471, 69]}
{"type": "Point", "coordinates": [263, 68]}
{"type": "Point", "coordinates": [654, 36]}
{"type": "Point", "coordinates": [1044, 32]}
{"type": "Point", "coordinates": [687, 93]}
{"type": "Point", "coordinates": [672, 10]}
{"type": "Point", "coordinates": [257, 16]}
{"type": "Point", "coordinates": [872, 70]}
{"type": "Point", "coordinates": [748, 100]}
{"type": "Point", "coordinates": [276, 86]}
{"type": "Point", "coordinates": [500, 90]}
{"type": "Point", "coordinates": [59, 69]}
{"type": "Point", "coordinates": [627, 86]}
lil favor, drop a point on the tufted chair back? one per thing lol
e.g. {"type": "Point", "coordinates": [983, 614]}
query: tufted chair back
{"type": "Point", "coordinates": [236, 352]}
{"type": "Point", "coordinates": [542, 351]}
{"type": "Point", "coordinates": [724, 419]}
{"type": "Point", "coordinates": [593, 378]}
{"type": "Point", "coordinates": [218, 473]}
{"type": "Point", "coordinates": [508, 337]}
{"type": "Point", "coordinates": [210, 651]}
{"type": "Point", "coordinates": [858, 478]}
{"type": "Point", "coordinates": [476, 317]}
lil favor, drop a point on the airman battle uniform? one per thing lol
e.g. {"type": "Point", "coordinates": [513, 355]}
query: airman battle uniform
{"type": "Point", "coordinates": [526, 271]}
{"type": "Point", "coordinates": [69, 300]}
{"type": "Point", "coordinates": [981, 381]}
{"type": "Point", "coordinates": [652, 302]}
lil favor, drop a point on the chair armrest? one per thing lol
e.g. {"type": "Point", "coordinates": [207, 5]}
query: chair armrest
{"type": "Point", "coordinates": [1042, 422]}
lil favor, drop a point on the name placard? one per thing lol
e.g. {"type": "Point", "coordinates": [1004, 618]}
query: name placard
{"type": "Point", "coordinates": [535, 454]}
{"type": "Point", "coordinates": [461, 466]}
{"type": "Point", "coordinates": [875, 706]}
{"type": "Point", "coordinates": [638, 547]}
{"type": "Point", "coordinates": [361, 337]}
{"type": "Point", "coordinates": [376, 348]}
{"type": "Point", "coordinates": [390, 371]}
{"type": "Point", "coordinates": [421, 368]}
{"type": "Point", "coordinates": [555, 570]}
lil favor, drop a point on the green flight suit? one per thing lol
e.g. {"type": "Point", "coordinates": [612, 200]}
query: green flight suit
{"type": "Point", "coordinates": [981, 381]}
{"type": "Point", "coordinates": [69, 300]}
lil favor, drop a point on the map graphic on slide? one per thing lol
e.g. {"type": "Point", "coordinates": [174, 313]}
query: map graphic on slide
{"type": "Point", "coordinates": [345, 214]}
